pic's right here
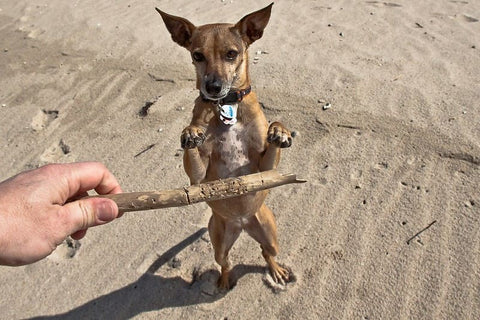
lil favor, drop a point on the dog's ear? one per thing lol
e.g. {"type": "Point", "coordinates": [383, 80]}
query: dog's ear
{"type": "Point", "coordinates": [251, 26]}
{"type": "Point", "coordinates": [181, 29]}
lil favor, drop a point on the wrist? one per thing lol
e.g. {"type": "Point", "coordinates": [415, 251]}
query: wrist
{"type": "Point", "coordinates": [3, 239]}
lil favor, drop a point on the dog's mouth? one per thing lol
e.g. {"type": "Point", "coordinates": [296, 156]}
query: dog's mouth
{"type": "Point", "coordinates": [215, 96]}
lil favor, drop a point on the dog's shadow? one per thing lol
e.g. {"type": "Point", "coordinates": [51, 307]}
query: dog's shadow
{"type": "Point", "coordinates": [154, 292]}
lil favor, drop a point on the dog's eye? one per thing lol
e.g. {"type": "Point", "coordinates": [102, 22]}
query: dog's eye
{"type": "Point", "coordinates": [198, 57]}
{"type": "Point", "coordinates": [231, 55]}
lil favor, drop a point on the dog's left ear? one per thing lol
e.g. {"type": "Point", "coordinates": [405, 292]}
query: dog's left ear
{"type": "Point", "coordinates": [251, 26]}
{"type": "Point", "coordinates": [181, 29]}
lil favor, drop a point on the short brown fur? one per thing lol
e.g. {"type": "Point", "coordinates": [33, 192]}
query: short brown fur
{"type": "Point", "coordinates": [214, 150]}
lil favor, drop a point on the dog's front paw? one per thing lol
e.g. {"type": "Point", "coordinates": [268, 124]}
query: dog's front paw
{"type": "Point", "coordinates": [192, 137]}
{"type": "Point", "coordinates": [279, 135]}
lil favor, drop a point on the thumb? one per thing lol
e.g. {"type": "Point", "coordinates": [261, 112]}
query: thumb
{"type": "Point", "coordinates": [85, 213]}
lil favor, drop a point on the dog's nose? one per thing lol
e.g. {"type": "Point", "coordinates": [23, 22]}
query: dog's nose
{"type": "Point", "coordinates": [214, 86]}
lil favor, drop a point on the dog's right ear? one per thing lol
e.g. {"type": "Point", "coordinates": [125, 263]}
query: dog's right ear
{"type": "Point", "coordinates": [181, 29]}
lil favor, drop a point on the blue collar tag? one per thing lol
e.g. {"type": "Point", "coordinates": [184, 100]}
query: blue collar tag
{"type": "Point", "coordinates": [228, 113]}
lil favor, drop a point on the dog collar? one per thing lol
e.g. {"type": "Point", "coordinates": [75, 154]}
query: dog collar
{"type": "Point", "coordinates": [232, 97]}
{"type": "Point", "coordinates": [228, 106]}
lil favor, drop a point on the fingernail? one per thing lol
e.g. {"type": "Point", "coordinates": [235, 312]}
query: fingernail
{"type": "Point", "coordinates": [106, 211]}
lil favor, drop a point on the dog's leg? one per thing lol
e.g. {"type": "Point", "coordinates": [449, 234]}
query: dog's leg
{"type": "Point", "coordinates": [195, 165]}
{"type": "Point", "coordinates": [223, 235]}
{"type": "Point", "coordinates": [192, 139]}
{"type": "Point", "coordinates": [263, 229]}
{"type": "Point", "coordinates": [278, 137]}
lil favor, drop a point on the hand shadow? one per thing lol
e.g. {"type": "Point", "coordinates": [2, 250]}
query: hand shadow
{"type": "Point", "coordinates": [154, 292]}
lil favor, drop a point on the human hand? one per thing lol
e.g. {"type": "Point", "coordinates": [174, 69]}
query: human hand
{"type": "Point", "coordinates": [41, 207]}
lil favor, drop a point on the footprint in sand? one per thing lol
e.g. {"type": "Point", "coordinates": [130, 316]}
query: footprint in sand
{"type": "Point", "coordinates": [56, 152]}
{"type": "Point", "coordinates": [356, 174]}
{"type": "Point", "coordinates": [43, 118]}
{"type": "Point", "coordinates": [66, 250]}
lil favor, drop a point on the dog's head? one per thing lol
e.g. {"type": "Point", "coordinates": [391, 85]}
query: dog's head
{"type": "Point", "coordinates": [219, 51]}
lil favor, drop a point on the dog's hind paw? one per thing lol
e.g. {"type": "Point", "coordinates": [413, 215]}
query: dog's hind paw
{"type": "Point", "coordinates": [278, 285]}
{"type": "Point", "coordinates": [192, 137]}
{"type": "Point", "coordinates": [279, 135]}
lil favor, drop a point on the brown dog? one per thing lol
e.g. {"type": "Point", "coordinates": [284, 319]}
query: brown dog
{"type": "Point", "coordinates": [229, 135]}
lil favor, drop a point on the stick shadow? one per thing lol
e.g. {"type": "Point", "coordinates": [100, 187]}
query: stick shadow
{"type": "Point", "coordinates": [154, 292]}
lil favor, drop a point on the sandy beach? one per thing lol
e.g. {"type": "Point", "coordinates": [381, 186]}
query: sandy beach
{"type": "Point", "coordinates": [387, 226]}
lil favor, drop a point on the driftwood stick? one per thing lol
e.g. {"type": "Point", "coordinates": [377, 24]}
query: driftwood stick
{"type": "Point", "coordinates": [421, 231]}
{"type": "Point", "coordinates": [209, 191]}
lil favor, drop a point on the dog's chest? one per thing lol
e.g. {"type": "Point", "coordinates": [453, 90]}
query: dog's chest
{"type": "Point", "coordinates": [231, 149]}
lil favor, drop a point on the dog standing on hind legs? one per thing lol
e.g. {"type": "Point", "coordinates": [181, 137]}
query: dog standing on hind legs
{"type": "Point", "coordinates": [229, 135]}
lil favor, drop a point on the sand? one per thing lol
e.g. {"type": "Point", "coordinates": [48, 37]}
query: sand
{"type": "Point", "coordinates": [387, 226]}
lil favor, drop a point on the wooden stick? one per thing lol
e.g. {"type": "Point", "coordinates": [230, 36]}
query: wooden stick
{"type": "Point", "coordinates": [420, 232]}
{"type": "Point", "coordinates": [209, 191]}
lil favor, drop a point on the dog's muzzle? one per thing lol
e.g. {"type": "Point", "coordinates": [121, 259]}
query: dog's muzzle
{"type": "Point", "coordinates": [214, 88]}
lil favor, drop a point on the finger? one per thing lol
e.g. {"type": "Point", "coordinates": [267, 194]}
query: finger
{"type": "Point", "coordinates": [82, 214]}
{"type": "Point", "coordinates": [78, 196]}
{"type": "Point", "coordinates": [85, 176]}
{"type": "Point", "coordinates": [79, 234]}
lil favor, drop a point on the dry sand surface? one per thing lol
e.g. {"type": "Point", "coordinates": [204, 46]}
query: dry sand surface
{"type": "Point", "coordinates": [397, 152]}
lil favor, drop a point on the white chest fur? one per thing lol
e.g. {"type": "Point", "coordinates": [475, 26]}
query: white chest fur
{"type": "Point", "coordinates": [232, 147]}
